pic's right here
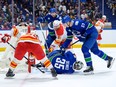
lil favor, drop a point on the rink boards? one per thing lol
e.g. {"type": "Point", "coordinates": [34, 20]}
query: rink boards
{"type": "Point", "coordinates": [108, 39]}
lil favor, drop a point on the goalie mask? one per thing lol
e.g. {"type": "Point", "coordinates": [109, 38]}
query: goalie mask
{"type": "Point", "coordinates": [23, 27]}
{"type": "Point", "coordinates": [78, 65]}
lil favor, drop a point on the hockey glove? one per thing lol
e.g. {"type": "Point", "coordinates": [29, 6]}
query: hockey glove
{"type": "Point", "coordinates": [62, 49]}
{"type": "Point", "coordinates": [52, 48]}
{"type": "Point", "coordinates": [5, 38]}
{"type": "Point", "coordinates": [78, 35]}
{"type": "Point", "coordinates": [82, 38]}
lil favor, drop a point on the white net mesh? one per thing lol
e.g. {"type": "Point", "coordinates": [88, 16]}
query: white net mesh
{"type": "Point", "coordinates": [4, 65]}
{"type": "Point", "coordinates": [22, 66]}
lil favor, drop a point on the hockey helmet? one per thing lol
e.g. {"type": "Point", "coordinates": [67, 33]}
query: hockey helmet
{"type": "Point", "coordinates": [66, 19]}
{"type": "Point", "coordinates": [56, 23]}
{"type": "Point", "coordinates": [22, 27]}
{"type": "Point", "coordinates": [104, 16]}
{"type": "Point", "coordinates": [78, 65]}
{"type": "Point", "coordinates": [53, 10]}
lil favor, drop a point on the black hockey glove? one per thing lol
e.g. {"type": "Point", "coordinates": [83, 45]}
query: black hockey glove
{"type": "Point", "coordinates": [62, 50]}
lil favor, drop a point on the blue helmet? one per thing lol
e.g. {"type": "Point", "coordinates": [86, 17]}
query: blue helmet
{"type": "Point", "coordinates": [53, 10]}
{"type": "Point", "coordinates": [66, 19]}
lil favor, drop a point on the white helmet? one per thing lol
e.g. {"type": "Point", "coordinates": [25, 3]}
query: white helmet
{"type": "Point", "coordinates": [104, 16]}
{"type": "Point", "coordinates": [56, 23]}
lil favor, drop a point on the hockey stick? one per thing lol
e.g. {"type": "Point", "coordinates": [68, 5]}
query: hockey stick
{"type": "Point", "coordinates": [43, 35]}
{"type": "Point", "coordinates": [74, 43]}
{"type": "Point", "coordinates": [27, 59]}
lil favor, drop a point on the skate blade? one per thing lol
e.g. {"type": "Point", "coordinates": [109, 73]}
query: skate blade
{"type": "Point", "coordinates": [112, 62]}
{"type": "Point", "coordinates": [55, 78]}
{"type": "Point", "coordinates": [89, 73]}
{"type": "Point", "coordinates": [9, 78]}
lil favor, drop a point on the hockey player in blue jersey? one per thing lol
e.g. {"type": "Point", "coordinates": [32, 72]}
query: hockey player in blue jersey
{"type": "Point", "coordinates": [49, 18]}
{"type": "Point", "coordinates": [87, 34]}
{"type": "Point", "coordinates": [64, 63]}
{"type": "Point", "coordinates": [68, 41]}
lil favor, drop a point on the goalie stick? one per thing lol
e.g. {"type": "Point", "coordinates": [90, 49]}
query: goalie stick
{"type": "Point", "coordinates": [27, 59]}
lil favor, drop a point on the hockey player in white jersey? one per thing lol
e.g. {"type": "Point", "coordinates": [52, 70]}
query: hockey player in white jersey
{"type": "Point", "coordinates": [27, 42]}
{"type": "Point", "coordinates": [100, 26]}
{"type": "Point", "coordinates": [9, 51]}
{"type": "Point", "coordinates": [61, 35]}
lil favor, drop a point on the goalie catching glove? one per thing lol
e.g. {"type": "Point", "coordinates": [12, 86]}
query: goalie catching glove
{"type": "Point", "coordinates": [5, 38]}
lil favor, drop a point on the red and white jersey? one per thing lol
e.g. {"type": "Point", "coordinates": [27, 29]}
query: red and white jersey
{"type": "Point", "coordinates": [61, 35]}
{"type": "Point", "coordinates": [17, 31]}
{"type": "Point", "coordinates": [29, 37]}
{"type": "Point", "coordinates": [99, 25]}
{"type": "Point", "coordinates": [24, 35]}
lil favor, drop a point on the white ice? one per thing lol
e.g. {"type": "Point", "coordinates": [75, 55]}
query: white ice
{"type": "Point", "coordinates": [102, 76]}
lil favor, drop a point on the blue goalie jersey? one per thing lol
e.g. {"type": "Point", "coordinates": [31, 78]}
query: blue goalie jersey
{"type": "Point", "coordinates": [63, 64]}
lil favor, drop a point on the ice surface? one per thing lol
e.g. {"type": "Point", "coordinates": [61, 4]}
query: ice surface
{"type": "Point", "coordinates": [102, 76]}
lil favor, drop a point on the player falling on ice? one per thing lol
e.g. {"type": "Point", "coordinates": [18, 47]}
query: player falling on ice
{"type": "Point", "coordinates": [64, 63]}
{"type": "Point", "coordinates": [27, 42]}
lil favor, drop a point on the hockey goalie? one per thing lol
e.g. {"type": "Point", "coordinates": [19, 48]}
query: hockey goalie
{"type": "Point", "coordinates": [27, 42]}
{"type": "Point", "coordinates": [9, 51]}
{"type": "Point", "coordinates": [8, 55]}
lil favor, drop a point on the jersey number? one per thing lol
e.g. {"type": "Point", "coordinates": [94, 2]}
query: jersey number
{"type": "Point", "coordinates": [83, 25]}
{"type": "Point", "coordinates": [60, 63]}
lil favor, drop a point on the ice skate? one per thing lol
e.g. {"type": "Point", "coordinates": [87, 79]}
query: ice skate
{"type": "Point", "coordinates": [53, 72]}
{"type": "Point", "coordinates": [39, 65]}
{"type": "Point", "coordinates": [110, 62]}
{"type": "Point", "coordinates": [10, 73]}
{"type": "Point", "coordinates": [88, 70]}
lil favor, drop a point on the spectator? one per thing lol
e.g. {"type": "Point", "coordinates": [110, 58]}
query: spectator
{"type": "Point", "coordinates": [1, 23]}
{"type": "Point", "coordinates": [64, 7]}
{"type": "Point", "coordinates": [84, 15]}
{"type": "Point", "coordinates": [5, 26]}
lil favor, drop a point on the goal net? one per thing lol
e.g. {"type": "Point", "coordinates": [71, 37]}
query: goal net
{"type": "Point", "coordinates": [4, 64]}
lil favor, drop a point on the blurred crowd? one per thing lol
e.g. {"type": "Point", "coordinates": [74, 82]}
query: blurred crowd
{"type": "Point", "coordinates": [23, 10]}
{"type": "Point", "coordinates": [112, 5]}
